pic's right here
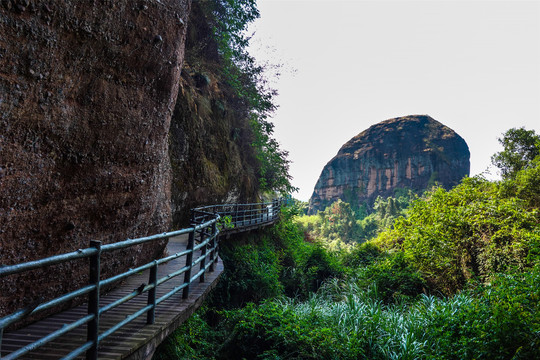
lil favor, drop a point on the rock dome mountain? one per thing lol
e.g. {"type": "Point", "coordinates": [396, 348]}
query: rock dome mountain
{"type": "Point", "coordinates": [411, 152]}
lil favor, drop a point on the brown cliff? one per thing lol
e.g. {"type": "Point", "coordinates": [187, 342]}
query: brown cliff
{"type": "Point", "coordinates": [412, 152]}
{"type": "Point", "coordinates": [212, 158]}
{"type": "Point", "coordinates": [87, 90]}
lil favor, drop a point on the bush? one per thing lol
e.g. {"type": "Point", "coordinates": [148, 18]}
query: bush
{"type": "Point", "coordinates": [467, 233]}
{"type": "Point", "coordinates": [501, 321]}
{"type": "Point", "coordinates": [272, 331]}
{"type": "Point", "coordinates": [252, 274]}
{"type": "Point", "coordinates": [361, 255]}
{"type": "Point", "coordinates": [271, 263]}
{"type": "Point", "coordinates": [393, 279]}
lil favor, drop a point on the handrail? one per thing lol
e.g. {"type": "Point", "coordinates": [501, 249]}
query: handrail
{"type": "Point", "coordinates": [239, 216]}
{"type": "Point", "coordinates": [209, 228]}
{"type": "Point", "coordinates": [205, 225]}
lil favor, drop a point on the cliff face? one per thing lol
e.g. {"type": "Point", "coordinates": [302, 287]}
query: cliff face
{"type": "Point", "coordinates": [410, 152]}
{"type": "Point", "coordinates": [87, 90]}
{"type": "Point", "coordinates": [210, 137]}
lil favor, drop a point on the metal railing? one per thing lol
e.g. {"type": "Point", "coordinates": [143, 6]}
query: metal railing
{"type": "Point", "coordinates": [206, 224]}
{"type": "Point", "coordinates": [236, 217]}
{"type": "Point", "coordinates": [208, 232]}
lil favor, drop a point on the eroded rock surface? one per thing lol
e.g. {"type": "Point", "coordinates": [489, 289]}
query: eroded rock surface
{"type": "Point", "coordinates": [412, 152]}
{"type": "Point", "coordinates": [87, 90]}
{"type": "Point", "coordinates": [212, 158]}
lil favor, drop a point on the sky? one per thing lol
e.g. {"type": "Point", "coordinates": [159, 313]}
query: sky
{"type": "Point", "coordinates": [346, 65]}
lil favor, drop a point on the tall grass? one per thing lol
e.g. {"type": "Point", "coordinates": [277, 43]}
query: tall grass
{"type": "Point", "coordinates": [498, 323]}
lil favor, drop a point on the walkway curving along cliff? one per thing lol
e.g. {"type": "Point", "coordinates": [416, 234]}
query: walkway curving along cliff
{"type": "Point", "coordinates": [148, 302]}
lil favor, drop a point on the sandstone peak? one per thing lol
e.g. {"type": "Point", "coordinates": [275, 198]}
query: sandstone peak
{"type": "Point", "coordinates": [411, 152]}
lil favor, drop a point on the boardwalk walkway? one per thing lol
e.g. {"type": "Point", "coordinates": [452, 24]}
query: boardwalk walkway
{"type": "Point", "coordinates": [137, 340]}
{"type": "Point", "coordinates": [130, 321]}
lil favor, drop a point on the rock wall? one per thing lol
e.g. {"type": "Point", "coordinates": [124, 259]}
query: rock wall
{"type": "Point", "coordinates": [412, 152]}
{"type": "Point", "coordinates": [210, 138]}
{"type": "Point", "coordinates": [87, 90]}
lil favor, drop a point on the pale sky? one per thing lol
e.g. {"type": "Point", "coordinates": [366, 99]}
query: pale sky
{"type": "Point", "coordinates": [472, 65]}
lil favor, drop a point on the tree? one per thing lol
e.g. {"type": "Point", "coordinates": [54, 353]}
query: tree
{"type": "Point", "coordinates": [520, 148]}
{"type": "Point", "coordinates": [247, 81]}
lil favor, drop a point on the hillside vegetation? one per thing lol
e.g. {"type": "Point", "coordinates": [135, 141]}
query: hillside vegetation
{"type": "Point", "coordinates": [453, 274]}
{"type": "Point", "coordinates": [456, 277]}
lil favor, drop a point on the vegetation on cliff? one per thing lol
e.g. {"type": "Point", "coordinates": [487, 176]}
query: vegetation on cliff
{"type": "Point", "coordinates": [221, 143]}
{"type": "Point", "coordinates": [456, 277]}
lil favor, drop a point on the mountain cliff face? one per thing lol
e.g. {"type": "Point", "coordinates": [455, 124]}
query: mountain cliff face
{"type": "Point", "coordinates": [210, 136]}
{"type": "Point", "coordinates": [87, 91]}
{"type": "Point", "coordinates": [412, 152]}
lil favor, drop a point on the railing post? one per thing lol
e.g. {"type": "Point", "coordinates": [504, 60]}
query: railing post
{"type": "Point", "coordinates": [93, 301]}
{"type": "Point", "coordinates": [151, 314]}
{"type": "Point", "coordinates": [203, 254]}
{"type": "Point", "coordinates": [189, 263]}
{"type": "Point", "coordinates": [213, 243]}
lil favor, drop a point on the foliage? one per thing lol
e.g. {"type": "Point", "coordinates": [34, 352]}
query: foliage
{"type": "Point", "coordinates": [520, 148]}
{"type": "Point", "coordinates": [339, 226]}
{"type": "Point", "coordinates": [360, 255]}
{"type": "Point", "coordinates": [346, 321]}
{"type": "Point", "coordinates": [334, 227]}
{"type": "Point", "coordinates": [525, 185]}
{"type": "Point", "coordinates": [466, 233]}
{"type": "Point", "coordinates": [246, 80]}
{"type": "Point", "coordinates": [274, 164]}
{"type": "Point", "coordinates": [252, 274]}
{"type": "Point", "coordinates": [501, 320]}
{"type": "Point", "coordinates": [272, 263]}
{"type": "Point", "coordinates": [393, 278]}
{"type": "Point", "coordinates": [225, 222]}
{"type": "Point", "coordinates": [271, 331]}
{"type": "Point", "coordinates": [386, 211]}
{"type": "Point", "coordinates": [196, 340]}
{"type": "Point", "coordinates": [479, 243]}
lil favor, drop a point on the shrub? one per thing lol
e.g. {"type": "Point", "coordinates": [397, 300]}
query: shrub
{"type": "Point", "coordinates": [272, 331]}
{"type": "Point", "coordinates": [466, 233]}
{"type": "Point", "coordinates": [501, 321]}
{"type": "Point", "coordinates": [361, 255]}
{"type": "Point", "coordinates": [251, 275]}
{"type": "Point", "coordinates": [393, 279]}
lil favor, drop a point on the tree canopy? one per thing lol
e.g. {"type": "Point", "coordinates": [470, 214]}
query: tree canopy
{"type": "Point", "coordinates": [248, 81]}
{"type": "Point", "coordinates": [520, 147]}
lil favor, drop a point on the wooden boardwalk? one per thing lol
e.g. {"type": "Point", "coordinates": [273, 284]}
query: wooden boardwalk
{"type": "Point", "coordinates": [137, 340]}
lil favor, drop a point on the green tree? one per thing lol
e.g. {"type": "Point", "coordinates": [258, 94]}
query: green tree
{"type": "Point", "coordinates": [469, 232]}
{"type": "Point", "coordinates": [248, 82]}
{"type": "Point", "coordinates": [520, 147]}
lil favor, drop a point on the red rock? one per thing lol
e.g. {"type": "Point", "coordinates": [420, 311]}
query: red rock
{"type": "Point", "coordinates": [411, 152]}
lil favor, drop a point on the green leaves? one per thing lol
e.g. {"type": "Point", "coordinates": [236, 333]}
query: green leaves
{"type": "Point", "coordinates": [247, 84]}
{"type": "Point", "coordinates": [273, 162]}
{"type": "Point", "coordinates": [520, 148]}
{"type": "Point", "coordinates": [466, 233]}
